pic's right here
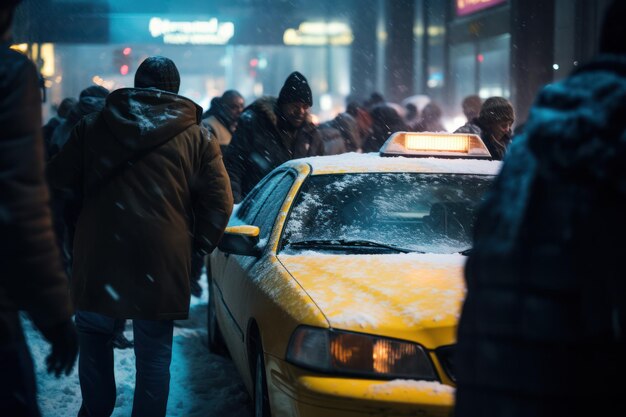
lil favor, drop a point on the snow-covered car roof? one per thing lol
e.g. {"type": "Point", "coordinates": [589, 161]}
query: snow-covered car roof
{"type": "Point", "coordinates": [373, 162]}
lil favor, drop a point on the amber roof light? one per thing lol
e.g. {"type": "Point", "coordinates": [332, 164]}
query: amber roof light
{"type": "Point", "coordinates": [427, 144]}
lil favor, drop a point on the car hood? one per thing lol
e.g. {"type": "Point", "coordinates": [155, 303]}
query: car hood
{"type": "Point", "coordinates": [409, 296]}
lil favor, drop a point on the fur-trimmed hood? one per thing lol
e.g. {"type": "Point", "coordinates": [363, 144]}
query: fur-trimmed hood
{"type": "Point", "coordinates": [266, 107]}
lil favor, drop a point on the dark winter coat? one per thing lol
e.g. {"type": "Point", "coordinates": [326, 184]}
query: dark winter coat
{"type": "Point", "coordinates": [542, 328]}
{"type": "Point", "coordinates": [138, 224]}
{"type": "Point", "coordinates": [65, 205]}
{"type": "Point", "coordinates": [259, 145]}
{"type": "Point", "coordinates": [217, 127]}
{"type": "Point", "coordinates": [48, 132]}
{"type": "Point", "coordinates": [31, 276]}
{"type": "Point", "coordinates": [497, 148]}
{"type": "Point", "coordinates": [340, 135]}
{"type": "Point", "coordinates": [385, 122]}
{"type": "Point", "coordinates": [87, 104]}
{"type": "Point", "coordinates": [424, 126]}
{"type": "Point", "coordinates": [430, 120]}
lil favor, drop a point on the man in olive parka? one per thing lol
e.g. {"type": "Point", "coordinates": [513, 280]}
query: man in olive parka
{"type": "Point", "coordinates": [154, 188]}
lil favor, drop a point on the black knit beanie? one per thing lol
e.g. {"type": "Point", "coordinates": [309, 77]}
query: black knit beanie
{"type": "Point", "coordinates": [90, 100]}
{"type": "Point", "coordinates": [496, 109]}
{"type": "Point", "coordinates": [93, 91]}
{"type": "Point", "coordinates": [158, 72]}
{"type": "Point", "coordinates": [296, 90]}
{"type": "Point", "coordinates": [66, 106]}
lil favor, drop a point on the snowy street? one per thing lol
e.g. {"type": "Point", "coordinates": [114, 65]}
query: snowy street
{"type": "Point", "coordinates": [202, 384]}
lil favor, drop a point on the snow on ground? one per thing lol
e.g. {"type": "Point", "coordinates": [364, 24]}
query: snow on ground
{"type": "Point", "coordinates": [202, 384]}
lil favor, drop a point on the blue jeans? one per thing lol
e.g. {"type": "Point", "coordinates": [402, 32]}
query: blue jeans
{"type": "Point", "coordinates": [153, 353]}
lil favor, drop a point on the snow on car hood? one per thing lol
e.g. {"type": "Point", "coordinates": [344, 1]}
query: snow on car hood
{"type": "Point", "coordinates": [395, 295]}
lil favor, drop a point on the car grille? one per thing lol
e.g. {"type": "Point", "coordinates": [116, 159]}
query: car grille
{"type": "Point", "coordinates": [446, 355]}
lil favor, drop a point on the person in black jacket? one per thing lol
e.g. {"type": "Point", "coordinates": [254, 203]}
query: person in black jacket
{"type": "Point", "coordinates": [493, 125]}
{"type": "Point", "coordinates": [272, 131]}
{"type": "Point", "coordinates": [385, 121]}
{"type": "Point", "coordinates": [431, 119]}
{"type": "Point", "coordinates": [63, 111]}
{"type": "Point", "coordinates": [66, 206]}
{"type": "Point", "coordinates": [340, 135]}
{"type": "Point", "coordinates": [542, 331]}
{"type": "Point", "coordinates": [471, 106]}
{"type": "Point", "coordinates": [31, 276]}
{"type": "Point", "coordinates": [90, 100]}
{"type": "Point", "coordinates": [223, 115]}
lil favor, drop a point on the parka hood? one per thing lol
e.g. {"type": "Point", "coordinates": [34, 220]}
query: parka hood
{"type": "Point", "coordinates": [577, 127]}
{"type": "Point", "coordinates": [140, 118]}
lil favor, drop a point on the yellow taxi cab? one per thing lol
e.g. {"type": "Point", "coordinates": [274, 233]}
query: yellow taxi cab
{"type": "Point", "coordinates": [337, 287]}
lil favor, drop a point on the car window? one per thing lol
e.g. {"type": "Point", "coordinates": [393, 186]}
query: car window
{"type": "Point", "coordinates": [251, 204]}
{"type": "Point", "coordinates": [270, 207]}
{"type": "Point", "coordinates": [431, 213]}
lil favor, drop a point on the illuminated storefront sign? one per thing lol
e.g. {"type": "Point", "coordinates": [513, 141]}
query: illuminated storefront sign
{"type": "Point", "coordinates": [42, 54]}
{"type": "Point", "coordinates": [319, 33]}
{"type": "Point", "coordinates": [465, 7]}
{"type": "Point", "coordinates": [199, 32]}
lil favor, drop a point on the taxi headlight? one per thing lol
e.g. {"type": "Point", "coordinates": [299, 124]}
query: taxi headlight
{"type": "Point", "coordinates": [334, 351]}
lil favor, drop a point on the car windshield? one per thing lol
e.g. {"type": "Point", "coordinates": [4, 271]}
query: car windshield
{"type": "Point", "coordinates": [383, 212]}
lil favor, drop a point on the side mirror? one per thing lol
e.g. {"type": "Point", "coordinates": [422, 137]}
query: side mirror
{"type": "Point", "coordinates": [241, 240]}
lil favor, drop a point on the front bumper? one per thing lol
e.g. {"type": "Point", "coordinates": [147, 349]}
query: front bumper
{"type": "Point", "coordinates": [301, 393]}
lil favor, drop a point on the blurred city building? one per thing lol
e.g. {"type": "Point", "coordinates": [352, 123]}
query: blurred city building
{"type": "Point", "coordinates": [443, 49]}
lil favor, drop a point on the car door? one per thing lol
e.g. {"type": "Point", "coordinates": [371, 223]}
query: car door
{"type": "Point", "coordinates": [237, 282]}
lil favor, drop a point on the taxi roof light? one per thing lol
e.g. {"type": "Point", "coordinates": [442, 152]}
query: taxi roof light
{"type": "Point", "coordinates": [456, 145]}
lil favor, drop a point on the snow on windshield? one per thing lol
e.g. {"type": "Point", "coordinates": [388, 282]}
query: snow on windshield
{"type": "Point", "coordinates": [431, 213]}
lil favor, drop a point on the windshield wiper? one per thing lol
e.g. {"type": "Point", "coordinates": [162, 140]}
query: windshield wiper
{"type": "Point", "coordinates": [348, 243]}
{"type": "Point", "coordinates": [466, 252]}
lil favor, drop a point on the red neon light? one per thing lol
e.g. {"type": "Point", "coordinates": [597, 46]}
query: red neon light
{"type": "Point", "coordinates": [466, 7]}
